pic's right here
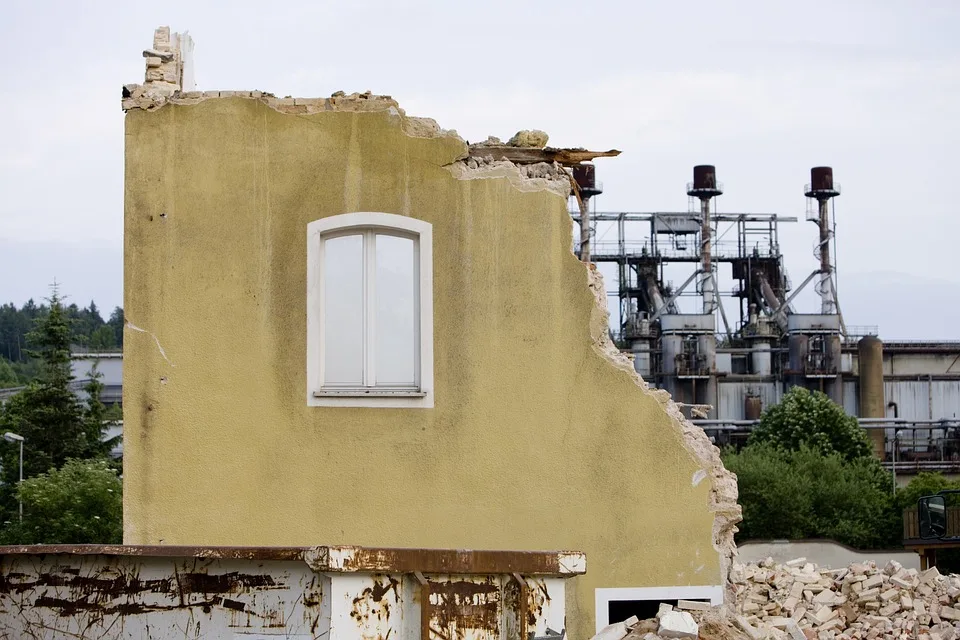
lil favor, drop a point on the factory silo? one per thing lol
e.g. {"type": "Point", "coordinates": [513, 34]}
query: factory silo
{"type": "Point", "coordinates": [872, 401]}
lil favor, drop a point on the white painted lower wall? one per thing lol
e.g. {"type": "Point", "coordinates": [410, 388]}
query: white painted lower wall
{"type": "Point", "coordinates": [110, 597]}
{"type": "Point", "coordinates": [824, 553]}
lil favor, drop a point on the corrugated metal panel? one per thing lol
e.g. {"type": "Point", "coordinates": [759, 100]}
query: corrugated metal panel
{"type": "Point", "coordinates": [912, 398]}
{"type": "Point", "coordinates": [946, 399]}
{"type": "Point", "coordinates": [732, 395]}
{"type": "Point", "coordinates": [724, 363]}
{"type": "Point", "coordinates": [850, 400]}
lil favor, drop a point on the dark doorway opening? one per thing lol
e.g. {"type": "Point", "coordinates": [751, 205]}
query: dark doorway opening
{"type": "Point", "coordinates": [620, 610]}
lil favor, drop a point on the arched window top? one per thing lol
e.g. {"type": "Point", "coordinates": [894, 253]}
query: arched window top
{"type": "Point", "coordinates": [369, 219]}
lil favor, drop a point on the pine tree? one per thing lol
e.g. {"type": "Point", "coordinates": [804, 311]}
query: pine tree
{"type": "Point", "coordinates": [55, 423]}
{"type": "Point", "coordinates": [116, 323]}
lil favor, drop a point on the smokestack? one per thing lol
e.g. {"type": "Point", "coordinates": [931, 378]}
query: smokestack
{"type": "Point", "coordinates": [705, 187]}
{"type": "Point", "coordinates": [822, 189]}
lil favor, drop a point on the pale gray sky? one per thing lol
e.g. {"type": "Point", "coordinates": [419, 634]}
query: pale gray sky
{"type": "Point", "coordinates": [762, 89]}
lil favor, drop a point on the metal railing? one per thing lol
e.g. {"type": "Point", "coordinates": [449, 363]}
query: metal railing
{"type": "Point", "coordinates": [909, 446]}
{"type": "Point", "coordinates": [718, 186]}
{"type": "Point", "coordinates": [688, 249]}
{"type": "Point", "coordinates": [855, 332]}
{"type": "Point", "coordinates": [807, 188]}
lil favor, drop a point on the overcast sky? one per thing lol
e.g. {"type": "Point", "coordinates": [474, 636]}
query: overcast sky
{"type": "Point", "coordinates": [763, 89]}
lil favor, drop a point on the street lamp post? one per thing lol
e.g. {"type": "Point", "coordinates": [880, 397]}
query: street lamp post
{"type": "Point", "coordinates": [13, 437]}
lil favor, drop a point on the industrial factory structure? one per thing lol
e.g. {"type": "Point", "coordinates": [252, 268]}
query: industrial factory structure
{"type": "Point", "coordinates": [725, 368]}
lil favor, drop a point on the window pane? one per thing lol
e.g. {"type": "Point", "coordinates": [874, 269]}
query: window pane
{"type": "Point", "coordinates": [396, 311]}
{"type": "Point", "coordinates": [343, 310]}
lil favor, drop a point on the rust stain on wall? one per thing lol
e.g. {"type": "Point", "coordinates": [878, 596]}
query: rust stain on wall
{"type": "Point", "coordinates": [461, 609]}
{"type": "Point", "coordinates": [372, 608]}
{"type": "Point", "coordinates": [94, 596]}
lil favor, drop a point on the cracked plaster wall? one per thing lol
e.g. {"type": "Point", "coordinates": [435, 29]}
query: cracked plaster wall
{"type": "Point", "coordinates": [542, 437]}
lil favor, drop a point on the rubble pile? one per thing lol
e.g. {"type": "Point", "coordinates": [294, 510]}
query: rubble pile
{"type": "Point", "coordinates": [800, 601]}
{"type": "Point", "coordinates": [859, 602]}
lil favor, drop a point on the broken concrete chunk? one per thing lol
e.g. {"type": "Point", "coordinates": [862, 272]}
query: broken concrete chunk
{"type": "Point", "coordinates": [793, 630]}
{"type": "Point", "coordinates": [747, 628]}
{"type": "Point", "coordinates": [778, 623]}
{"type": "Point", "coordinates": [949, 613]}
{"type": "Point", "coordinates": [868, 594]}
{"type": "Point", "coordinates": [889, 594]}
{"type": "Point", "coordinates": [693, 605]}
{"type": "Point", "coordinates": [165, 56]}
{"type": "Point", "coordinates": [664, 608]}
{"type": "Point", "coordinates": [892, 567]}
{"type": "Point", "coordinates": [824, 614]}
{"type": "Point", "coordinates": [529, 138]}
{"type": "Point", "coordinates": [873, 581]}
{"type": "Point", "coordinates": [677, 624]}
{"type": "Point", "coordinates": [615, 631]}
{"type": "Point", "coordinates": [903, 583]}
{"type": "Point", "coordinates": [928, 576]}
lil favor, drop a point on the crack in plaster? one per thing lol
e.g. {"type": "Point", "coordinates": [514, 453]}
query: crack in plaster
{"type": "Point", "coordinates": [723, 490]}
{"type": "Point", "coordinates": [163, 353]}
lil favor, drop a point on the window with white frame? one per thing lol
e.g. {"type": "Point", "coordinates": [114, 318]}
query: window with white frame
{"type": "Point", "coordinates": [369, 311]}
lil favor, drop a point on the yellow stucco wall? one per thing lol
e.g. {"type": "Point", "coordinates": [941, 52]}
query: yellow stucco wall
{"type": "Point", "coordinates": [536, 440]}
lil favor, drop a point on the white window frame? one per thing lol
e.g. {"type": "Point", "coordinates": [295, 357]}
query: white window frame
{"type": "Point", "coordinates": [370, 222]}
{"type": "Point", "coordinates": [604, 596]}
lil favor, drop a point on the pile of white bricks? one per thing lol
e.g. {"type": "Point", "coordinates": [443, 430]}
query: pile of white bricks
{"type": "Point", "coordinates": [799, 601]}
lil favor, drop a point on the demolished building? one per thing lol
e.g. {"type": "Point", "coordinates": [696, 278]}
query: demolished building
{"type": "Point", "coordinates": [347, 325]}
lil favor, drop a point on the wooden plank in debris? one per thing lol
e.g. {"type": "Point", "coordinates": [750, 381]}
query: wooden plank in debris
{"type": "Point", "coordinates": [531, 155]}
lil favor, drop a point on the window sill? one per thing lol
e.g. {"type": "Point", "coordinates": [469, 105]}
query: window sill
{"type": "Point", "coordinates": [372, 393]}
{"type": "Point", "coordinates": [374, 398]}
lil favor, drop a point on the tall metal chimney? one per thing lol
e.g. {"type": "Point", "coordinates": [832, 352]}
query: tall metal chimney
{"type": "Point", "coordinates": [705, 187]}
{"type": "Point", "coordinates": [585, 175]}
{"type": "Point", "coordinates": [822, 189]}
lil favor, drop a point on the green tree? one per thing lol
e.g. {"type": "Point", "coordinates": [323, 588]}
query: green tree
{"type": "Point", "coordinates": [80, 503]}
{"type": "Point", "coordinates": [55, 424]}
{"type": "Point", "coordinates": [8, 376]}
{"type": "Point", "coordinates": [102, 339]}
{"type": "Point", "coordinates": [811, 418]}
{"type": "Point", "coordinates": [923, 484]}
{"type": "Point", "coordinates": [805, 493]}
{"type": "Point", "coordinates": [116, 323]}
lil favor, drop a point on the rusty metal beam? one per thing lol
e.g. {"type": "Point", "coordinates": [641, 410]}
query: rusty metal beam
{"type": "Point", "coordinates": [449, 561]}
{"type": "Point", "coordinates": [347, 558]}
{"type": "Point", "coordinates": [522, 609]}
{"type": "Point", "coordinates": [160, 551]}
{"type": "Point", "coordinates": [532, 155]}
{"type": "Point", "coordinates": [424, 606]}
